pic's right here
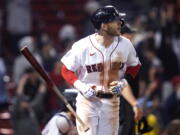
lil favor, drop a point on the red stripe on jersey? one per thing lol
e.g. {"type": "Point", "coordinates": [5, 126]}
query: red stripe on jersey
{"type": "Point", "coordinates": [68, 75]}
{"type": "Point", "coordinates": [133, 71]}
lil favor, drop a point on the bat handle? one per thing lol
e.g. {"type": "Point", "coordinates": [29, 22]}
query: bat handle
{"type": "Point", "coordinates": [85, 128]}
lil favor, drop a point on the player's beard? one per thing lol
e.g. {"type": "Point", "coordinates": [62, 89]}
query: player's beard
{"type": "Point", "coordinates": [113, 32]}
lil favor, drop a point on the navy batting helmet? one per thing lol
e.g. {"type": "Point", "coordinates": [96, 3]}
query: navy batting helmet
{"type": "Point", "coordinates": [106, 14]}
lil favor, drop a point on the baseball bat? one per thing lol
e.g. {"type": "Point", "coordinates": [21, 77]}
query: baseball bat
{"type": "Point", "coordinates": [28, 55]}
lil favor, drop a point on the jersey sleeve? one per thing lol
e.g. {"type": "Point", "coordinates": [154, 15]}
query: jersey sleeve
{"type": "Point", "coordinates": [68, 75]}
{"type": "Point", "coordinates": [72, 58]}
{"type": "Point", "coordinates": [132, 59]}
{"type": "Point", "coordinates": [133, 70]}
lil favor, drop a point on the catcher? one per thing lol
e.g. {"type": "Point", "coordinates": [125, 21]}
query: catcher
{"type": "Point", "coordinates": [62, 123]}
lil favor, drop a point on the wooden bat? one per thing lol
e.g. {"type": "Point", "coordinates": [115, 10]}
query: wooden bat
{"type": "Point", "coordinates": [28, 55]}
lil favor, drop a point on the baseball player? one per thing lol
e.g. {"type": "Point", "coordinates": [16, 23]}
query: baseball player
{"type": "Point", "coordinates": [62, 123]}
{"type": "Point", "coordinates": [95, 66]}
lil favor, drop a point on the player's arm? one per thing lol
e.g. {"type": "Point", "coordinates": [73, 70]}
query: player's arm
{"type": "Point", "coordinates": [68, 75]}
{"type": "Point", "coordinates": [20, 88]}
{"type": "Point", "coordinates": [133, 67]}
{"type": "Point", "coordinates": [132, 77]}
{"type": "Point", "coordinates": [131, 72]}
{"type": "Point", "coordinates": [123, 87]}
{"type": "Point", "coordinates": [128, 95]}
{"type": "Point", "coordinates": [72, 79]}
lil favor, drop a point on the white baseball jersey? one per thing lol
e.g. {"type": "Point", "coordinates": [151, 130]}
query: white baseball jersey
{"type": "Point", "coordinates": [96, 65]}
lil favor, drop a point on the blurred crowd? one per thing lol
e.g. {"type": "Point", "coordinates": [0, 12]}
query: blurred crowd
{"type": "Point", "coordinates": [156, 38]}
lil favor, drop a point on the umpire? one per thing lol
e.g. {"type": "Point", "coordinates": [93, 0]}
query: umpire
{"type": "Point", "coordinates": [127, 123]}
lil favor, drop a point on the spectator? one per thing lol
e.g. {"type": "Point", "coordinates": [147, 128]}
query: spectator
{"type": "Point", "coordinates": [173, 128]}
{"type": "Point", "coordinates": [168, 58]}
{"type": "Point", "coordinates": [153, 82]}
{"type": "Point", "coordinates": [3, 91]}
{"type": "Point", "coordinates": [67, 35]}
{"type": "Point", "coordinates": [18, 22]}
{"type": "Point", "coordinates": [20, 63]}
{"type": "Point", "coordinates": [89, 8]}
{"type": "Point", "coordinates": [48, 55]}
{"type": "Point", "coordinates": [172, 104]}
{"type": "Point", "coordinates": [1, 24]}
{"type": "Point", "coordinates": [32, 87]}
{"type": "Point", "coordinates": [24, 121]}
{"type": "Point", "coordinates": [139, 25]}
{"type": "Point", "coordinates": [166, 52]}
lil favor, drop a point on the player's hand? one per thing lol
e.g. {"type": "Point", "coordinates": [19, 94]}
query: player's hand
{"type": "Point", "coordinates": [117, 86]}
{"type": "Point", "coordinates": [86, 90]}
{"type": "Point", "coordinates": [89, 92]}
{"type": "Point", "coordinates": [137, 112]}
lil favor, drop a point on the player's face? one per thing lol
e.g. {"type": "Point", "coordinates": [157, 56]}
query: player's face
{"type": "Point", "coordinates": [114, 28]}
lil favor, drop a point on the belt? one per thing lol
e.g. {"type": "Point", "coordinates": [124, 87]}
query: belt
{"type": "Point", "coordinates": [105, 95]}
